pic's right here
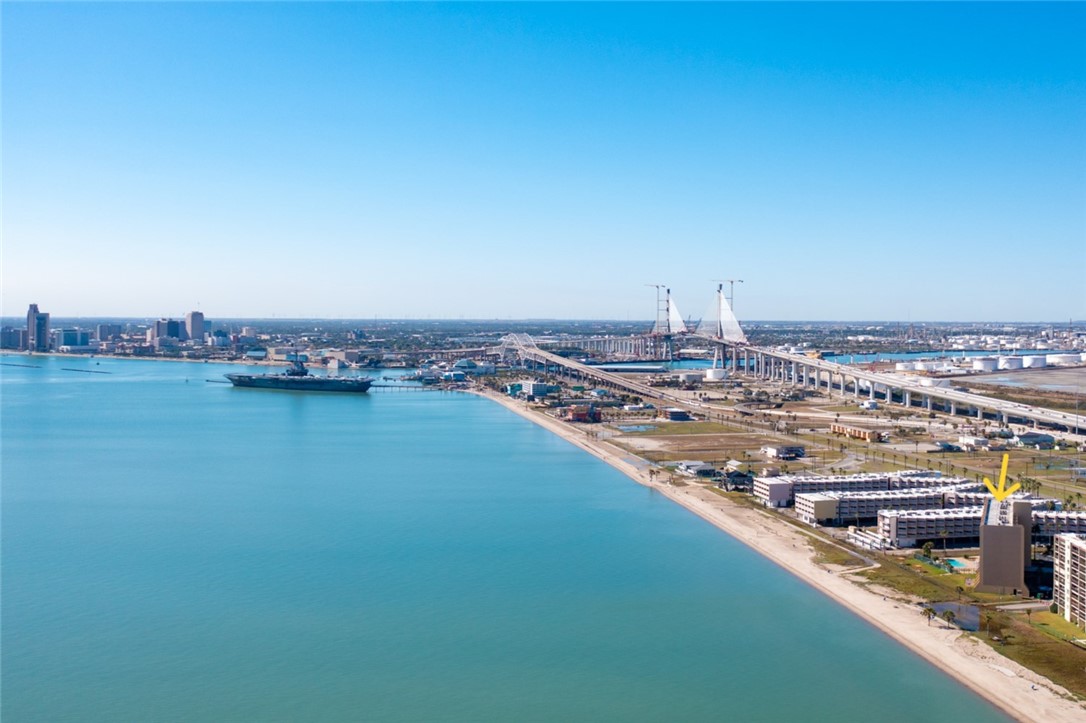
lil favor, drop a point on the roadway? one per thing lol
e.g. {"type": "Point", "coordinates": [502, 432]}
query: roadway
{"type": "Point", "coordinates": [1041, 415]}
{"type": "Point", "coordinates": [526, 347]}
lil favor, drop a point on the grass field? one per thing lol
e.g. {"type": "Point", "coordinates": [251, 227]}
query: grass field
{"type": "Point", "coordinates": [1061, 662]}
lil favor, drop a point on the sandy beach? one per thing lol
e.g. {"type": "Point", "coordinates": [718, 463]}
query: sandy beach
{"type": "Point", "coordinates": [1017, 691]}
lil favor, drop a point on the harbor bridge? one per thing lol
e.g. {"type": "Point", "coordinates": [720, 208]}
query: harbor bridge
{"type": "Point", "coordinates": [722, 332]}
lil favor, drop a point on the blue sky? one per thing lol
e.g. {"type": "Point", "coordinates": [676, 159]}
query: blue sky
{"type": "Point", "coordinates": [847, 161]}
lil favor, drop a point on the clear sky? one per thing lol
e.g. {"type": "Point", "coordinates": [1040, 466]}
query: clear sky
{"type": "Point", "coordinates": [847, 161]}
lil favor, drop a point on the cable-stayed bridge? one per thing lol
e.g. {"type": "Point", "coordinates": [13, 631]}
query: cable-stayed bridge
{"type": "Point", "coordinates": [721, 329]}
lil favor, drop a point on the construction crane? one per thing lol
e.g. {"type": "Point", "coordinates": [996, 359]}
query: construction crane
{"type": "Point", "coordinates": [731, 290]}
{"type": "Point", "coordinates": [661, 311]}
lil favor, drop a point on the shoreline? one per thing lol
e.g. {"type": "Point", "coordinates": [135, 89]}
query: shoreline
{"type": "Point", "coordinates": [1013, 689]}
{"type": "Point", "coordinates": [130, 357]}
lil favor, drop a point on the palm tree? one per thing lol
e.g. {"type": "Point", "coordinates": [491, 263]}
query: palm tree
{"type": "Point", "coordinates": [928, 612]}
{"type": "Point", "coordinates": [927, 549]}
{"type": "Point", "coordinates": [948, 616]}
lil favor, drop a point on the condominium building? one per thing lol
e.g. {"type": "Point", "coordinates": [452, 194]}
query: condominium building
{"type": "Point", "coordinates": [844, 507]}
{"type": "Point", "coordinates": [909, 528]}
{"type": "Point", "coordinates": [1056, 522]}
{"type": "Point", "coordinates": [781, 491]}
{"type": "Point", "coordinates": [976, 497]}
{"type": "Point", "coordinates": [1069, 577]}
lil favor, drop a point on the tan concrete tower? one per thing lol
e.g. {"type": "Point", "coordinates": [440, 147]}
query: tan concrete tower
{"type": "Point", "coordinates": [1005, 538]}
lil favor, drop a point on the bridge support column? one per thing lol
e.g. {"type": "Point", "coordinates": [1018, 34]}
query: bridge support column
{"type": "Point", "coordinates": [953, 408]}
{"type": "Point", "coordinates": [856, 387]}
{"type": "Point", "coordinates": [907, 398]}
{"type": "Point", "coordinates": [927, 402]}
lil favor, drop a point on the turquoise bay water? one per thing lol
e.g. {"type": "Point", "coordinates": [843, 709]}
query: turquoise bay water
{"type": "Point", "coordinates": [179, 550]}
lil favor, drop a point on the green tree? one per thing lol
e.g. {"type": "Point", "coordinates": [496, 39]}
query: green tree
{"type": "Point", "coordinates": [927, 547]}
{"type": "Point", "coordinates": [949, 617]}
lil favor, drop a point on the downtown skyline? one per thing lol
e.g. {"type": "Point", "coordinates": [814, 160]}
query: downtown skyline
{"type": "Point", "coordinates": [848, 162]}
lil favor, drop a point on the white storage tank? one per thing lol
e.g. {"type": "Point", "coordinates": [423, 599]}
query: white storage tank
{"type": "Point", "coordinates": [929, 382]}
{"type": "Point", "coordinates": [690, 377]}
{"type": "Point", "coordinates": [1033, 361]}
{"type": "Point", "coordinates": [715, 375]}
{"type": "Point", "coordinates": [1061, 359]}
{"type": "Point", "coordinates": [985, 364]}
{"type": "Point", "coordinates": [1010, 362]}
{"type": "Point", "coordinates": [904, 366]}
{"type": "Point", "coordinates": [1082, 357]}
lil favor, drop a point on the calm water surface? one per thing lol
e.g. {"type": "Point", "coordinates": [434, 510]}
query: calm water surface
{"type": "Point", "coordinates": [180, 550]}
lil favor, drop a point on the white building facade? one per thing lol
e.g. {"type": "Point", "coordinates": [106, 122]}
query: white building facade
{"type": "Point", "coordinates": [1069, 577]}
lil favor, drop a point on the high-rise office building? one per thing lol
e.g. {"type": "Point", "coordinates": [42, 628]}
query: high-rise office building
{"type": "Point", "coordinates": [167, 328]}
{"type": "Point", "coordinates": [37, 329]}
{"type": "Point", "coordinates": [106, 332]}
{"type": "Point", "coordinates": [12, 338]}
{"type": "Point", "coordinates": [194, 325]}
{"type": "Point", "coordinates": [69, 337]}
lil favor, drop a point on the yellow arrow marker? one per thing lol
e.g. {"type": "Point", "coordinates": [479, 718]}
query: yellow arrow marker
{"type": "Point", "coordinates": [1002, 492]}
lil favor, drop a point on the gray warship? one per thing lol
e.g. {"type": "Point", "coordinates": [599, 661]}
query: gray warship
{"type": "Point", "coordinates": [297, 378]}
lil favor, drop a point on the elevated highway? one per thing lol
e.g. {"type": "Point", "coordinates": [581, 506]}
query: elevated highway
{"type": "Point", "coordinates": [798, 370]}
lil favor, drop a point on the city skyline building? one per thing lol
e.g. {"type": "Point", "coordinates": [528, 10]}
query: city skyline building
{"type": "Point", "coordinates": [37, 329]}
{"type": "Point", "coordinates": [194, 325]}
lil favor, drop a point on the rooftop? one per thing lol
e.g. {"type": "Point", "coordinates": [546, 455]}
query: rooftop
{"type": "Point", "coordinates": [946, 514]}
